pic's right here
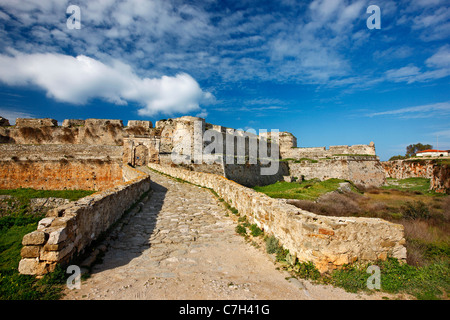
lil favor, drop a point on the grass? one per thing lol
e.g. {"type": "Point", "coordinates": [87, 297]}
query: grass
{"type": "Point", "coordinates": [353, 155]}
{"type": "Point", "coordinates": [410, 184]}
{"type": "Point", "coordinates": [431, 282]}
{"type": "Point", "coordinates": [425, 216]}
{"type": "Point", "coordinates": [13, 226]}
{"type": "Point", "coordinates": [306, 190]}
{"type": "Point", "coordinates": [25, 194]}
{"type": "Point", "coordinates": [299, 160]}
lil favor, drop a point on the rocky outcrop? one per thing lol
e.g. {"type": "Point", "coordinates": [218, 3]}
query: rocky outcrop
{"type": "Point", "coordinates": [434, 169]}
{"type": "Point", "coordinates": [4, 122]}
{"type": "Point", "coordinates": [440, 181]}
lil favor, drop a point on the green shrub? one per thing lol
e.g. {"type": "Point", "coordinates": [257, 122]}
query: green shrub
{"type": "Point", "coordinates": [255, 230]}
{"type": "Point", "coordinates": [272, 245]}
{"type": "Point", "coordinates": [240, 229]}
{"type": "Point", "coordinates": [415, 210]}
{"type": "Point", "coordinates": [307, 270]}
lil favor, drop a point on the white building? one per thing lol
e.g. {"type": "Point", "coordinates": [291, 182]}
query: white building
{"type": "Point", "coordinates": [432, 153]}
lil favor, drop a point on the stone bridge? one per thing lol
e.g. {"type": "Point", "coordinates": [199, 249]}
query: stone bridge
{"type": "Point", "coordinates": [182, 245]}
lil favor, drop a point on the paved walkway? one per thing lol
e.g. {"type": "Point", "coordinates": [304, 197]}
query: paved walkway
{"type": "Point", "coordinates": [182, 245]}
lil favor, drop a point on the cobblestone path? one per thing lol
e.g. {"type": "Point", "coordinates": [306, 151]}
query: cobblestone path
{"type": "Point", "coordinates": [182, 245]}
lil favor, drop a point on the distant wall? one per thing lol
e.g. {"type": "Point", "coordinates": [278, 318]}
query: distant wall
{"type": "Point", "coordinates": [322, 152]}
{"type": "Point", "coordinates": [57, 167]}
{"type": "Point", "coordinates": [69, 229]}
{"type": "Point", "coordinates": [435, 170]}
{"type": "Point", "coordinates": [328, 242]}
{"type": "Point", "coordinates": [365, 171]}
{"type": "Point", "coordinates": [401, 169]}
{"type": "Point", "coordinates": [250, 175]}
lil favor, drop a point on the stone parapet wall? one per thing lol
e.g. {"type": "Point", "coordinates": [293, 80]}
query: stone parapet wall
{"type": "Point", "coordinates": [328, 242]}
{"type": "Point", "coordinates": [68, 230]}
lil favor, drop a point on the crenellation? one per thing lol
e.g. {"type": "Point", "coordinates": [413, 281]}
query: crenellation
{"type": "Point", "coordinates": [36, 123]}
{"type": "Point", "coordinates": [67, 123]}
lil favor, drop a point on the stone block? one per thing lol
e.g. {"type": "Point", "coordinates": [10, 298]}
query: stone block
{"type": "Point", "coordinates": [32, 266]}
{"type": "Point", "coordinates": [30, 251]}
{"type": "Point", "coordinates": [44, 223]}
{"type": "Point", "coordinates": [56, 256]}
{"type": "Point", "coordinates": [57, 236]}
{"type": "Point", "coordinates": [34, 238]}
{"type": "Point", "coordinates": [36, 123]}
{"type": "Point", "coordinates": [326, 232]}
{"type": "Point", "coordinates": [140, 123]}
{"type": "Point", "coordinates": [73, 123]}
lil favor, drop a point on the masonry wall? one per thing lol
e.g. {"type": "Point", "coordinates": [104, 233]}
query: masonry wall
{"type": "Point", "coordinates": [322, 152]}
{"type": "Point", "coordinates": [250, 175]}
{"type": "Point", "coordinates": [88, 132]}
{"type": "Point", "coordinates": [435, 170]}
{"type": "Point", "coordinates": [68, 230]}
{"type": "Point", "coordinates": [366, 172]}
{"type": "Point", "coordinates": [329, 242]}
{"type": "Point", "coordinates": [58, 167]}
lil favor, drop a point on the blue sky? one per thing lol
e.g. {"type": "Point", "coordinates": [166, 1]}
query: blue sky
{"type": "Point", "coordinates": [312, 68]}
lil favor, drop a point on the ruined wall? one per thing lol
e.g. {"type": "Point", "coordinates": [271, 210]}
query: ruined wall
{"type": "Point", "coordinates": [250, 175]}
{"type": "Point", "coordinates": [401, 169]}
{"type": "Point", "coordinates": [189, 143]}
{"type": "Point", "coordinates": [440, 181]}
{"type": "Point", "coordinates": [57, 167]}
{"type": "Point", "coordinates": [69, 229]}
{"type": "Point", "coordinates": [328, 242]}
{"type": "Point", "coordinates": [433, 169]}
{"type": "Point", "coordinates": [322, 152]}
{"type": "Point", "coordinates": [359, 170]}
{"type": "Point", "coordinates": [90, 131]}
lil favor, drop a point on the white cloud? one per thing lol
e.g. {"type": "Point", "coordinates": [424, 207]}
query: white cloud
{"type": "Point", "coordinates": [79, 79]}
{"type": "Point", "coordinates": [441, 58]}
{"type": "Point", "coordinates": [403, 74]}
{"type": "Point", "coordinates": [318, 42]}
{"type": "Point", "coordinates": [422, 111]}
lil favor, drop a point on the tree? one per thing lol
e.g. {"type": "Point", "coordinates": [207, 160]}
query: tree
{"type": "Point", "coordinates": [399, 157]}
{"type": "Point", "coordinates": [412, 149]}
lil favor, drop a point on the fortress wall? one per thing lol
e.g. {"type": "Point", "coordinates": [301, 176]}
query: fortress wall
{"type": "Point", "coordinates": [90, 131]}
{"type": "Point", "coordinates": [367, 172]}
{"type": "Point", "coordinates": [299, 153]}
{"type": "Point", "coordinates": [250, 174]}
{"type": "Point", "coordinates": [57, 167]}
{"type": "Point", "coordinates": [69, 229]}
{"type": "Point", "coordinates": [322, 152]}
{"type": "Point", "coordinates": [329, 242]}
